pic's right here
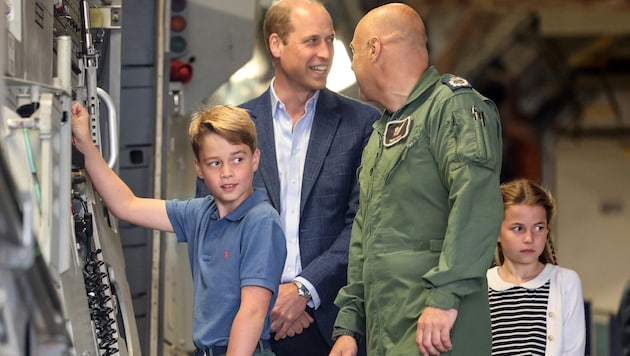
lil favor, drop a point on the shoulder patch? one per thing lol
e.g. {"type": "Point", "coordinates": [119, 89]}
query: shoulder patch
{"type": "Point", "coordinates": [454, 82]}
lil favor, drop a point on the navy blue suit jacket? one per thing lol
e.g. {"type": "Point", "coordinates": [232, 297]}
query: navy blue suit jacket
{"type": "Point", "coordinates": [330, 194]}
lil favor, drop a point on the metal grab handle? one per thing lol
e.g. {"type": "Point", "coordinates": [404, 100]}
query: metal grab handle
{"type": "Point", "coordinates": [113, 126]}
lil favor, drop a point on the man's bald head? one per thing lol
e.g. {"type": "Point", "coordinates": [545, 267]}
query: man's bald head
{"type": "Point", "coordinates": [389, 54]}
{"type": "Point", "coordinates": [397, 22]}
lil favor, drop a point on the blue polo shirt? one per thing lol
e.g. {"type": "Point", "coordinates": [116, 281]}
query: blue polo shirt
{"type": "Point", "coordinates": [246, 247]}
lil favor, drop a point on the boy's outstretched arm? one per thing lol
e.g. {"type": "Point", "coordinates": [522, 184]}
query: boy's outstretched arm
{"type": "Point", "coordinates": [149, 213]}
{"type": "Point", "coordinates": [248, 324]}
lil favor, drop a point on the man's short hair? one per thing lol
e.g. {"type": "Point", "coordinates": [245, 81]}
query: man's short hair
{"type": "Point", "coordinates": [278, 20]}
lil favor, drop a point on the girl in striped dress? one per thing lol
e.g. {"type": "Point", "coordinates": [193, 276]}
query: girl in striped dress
{"type": "Point", "coordinates": [536, 307]}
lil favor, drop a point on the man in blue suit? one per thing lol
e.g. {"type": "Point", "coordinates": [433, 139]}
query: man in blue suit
{"type": "Point", "coordinates": [311, 141]}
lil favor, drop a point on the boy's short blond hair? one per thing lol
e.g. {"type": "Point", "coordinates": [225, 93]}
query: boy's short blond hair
{"type": "Point", "coordinates": [228, 121]}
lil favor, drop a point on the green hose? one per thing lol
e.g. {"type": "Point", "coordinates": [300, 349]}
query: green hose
{"type": "Point", "coordinates": [31, 162]}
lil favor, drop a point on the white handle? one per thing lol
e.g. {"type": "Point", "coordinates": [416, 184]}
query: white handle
{"type": "Point", "coordinates": [113, 126]}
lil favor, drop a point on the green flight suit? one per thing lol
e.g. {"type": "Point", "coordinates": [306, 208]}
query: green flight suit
{"type": "Point", "coordinates": [429, 214]}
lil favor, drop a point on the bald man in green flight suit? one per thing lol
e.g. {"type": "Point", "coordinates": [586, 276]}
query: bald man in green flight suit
{"type": "Point", "coordinates": [430, 206]}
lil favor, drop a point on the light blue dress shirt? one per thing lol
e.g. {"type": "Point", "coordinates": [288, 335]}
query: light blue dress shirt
{"type": "Point", "coordinates": [291, 146]}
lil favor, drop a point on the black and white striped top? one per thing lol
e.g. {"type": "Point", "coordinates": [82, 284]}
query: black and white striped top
{"type": "Point", "coordinates": [518, 318]}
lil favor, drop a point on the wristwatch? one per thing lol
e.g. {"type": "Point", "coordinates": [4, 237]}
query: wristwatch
{"type": "Point", "coordinates": [302, 290]}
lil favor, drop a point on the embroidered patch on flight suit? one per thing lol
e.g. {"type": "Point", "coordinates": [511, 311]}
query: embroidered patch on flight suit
{"type": "Point", "coordinates": [455, 82]}
{"type": "Point", "coordinates": [395, 131]}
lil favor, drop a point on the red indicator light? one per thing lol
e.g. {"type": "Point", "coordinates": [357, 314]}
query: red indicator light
{"type": "Point", "coordinates": [178, 23]}
{"type": "Point", "coordinates": [180, 71]}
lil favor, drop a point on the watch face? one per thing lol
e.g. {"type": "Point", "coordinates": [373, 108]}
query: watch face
{"type": "Point", "coordinates": [302, 290]}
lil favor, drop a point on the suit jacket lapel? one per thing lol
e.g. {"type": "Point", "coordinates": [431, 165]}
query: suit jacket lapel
{"type": "Point", "coordinates": [268, 167]}
{"type": "Point", "coordinates": [325, 125]}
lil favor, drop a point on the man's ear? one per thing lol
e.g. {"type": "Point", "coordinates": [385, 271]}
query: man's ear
{"type": "Point", "coordinates": [374, 47]}
{"type": "Point", "coordinates": [275, 45]}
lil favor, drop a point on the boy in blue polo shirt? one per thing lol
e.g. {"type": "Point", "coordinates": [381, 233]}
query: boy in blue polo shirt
{"type": "Point", "coordinates": [235, 241]}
